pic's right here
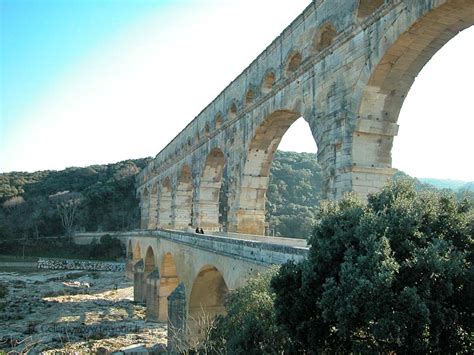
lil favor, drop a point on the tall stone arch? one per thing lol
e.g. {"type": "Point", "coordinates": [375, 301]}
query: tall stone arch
{"type": "Point", "coordinates": [248, 212]}
{"type": "Point", "coordinates": [407, 45]}
{"type": "Point", "coordinates": [144, 208]}
{"type": "Point", "coordinates": [183, 201]}
{"type": "Point", "coordinates": [153, 208]}
{"type": "Point", "coordinates": [209, 189]}
{"type": "Point", "coordinates": [165, 204]}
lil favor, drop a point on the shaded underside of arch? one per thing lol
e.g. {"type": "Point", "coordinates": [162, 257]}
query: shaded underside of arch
{"type": "Point", "coordinates": [149, 260]}
{"type": "Point", "coordinates": [169, 280]}
{"type": "Point", "coordinates": [207, 298]}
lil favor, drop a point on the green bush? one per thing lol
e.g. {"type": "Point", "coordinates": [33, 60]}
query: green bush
{"type": "Point", "coordinates": [394, 275]}
{"type": "Point", "coordinates": [249, 327]}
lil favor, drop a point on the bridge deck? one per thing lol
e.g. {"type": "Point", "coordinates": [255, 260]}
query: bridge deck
{"type": "Point", "coordinates": [258, 249]}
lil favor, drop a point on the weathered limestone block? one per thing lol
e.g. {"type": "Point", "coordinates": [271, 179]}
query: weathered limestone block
{"type": "Point", "coordinates": [139, 281]}
{"type": "Point", "coordinates": [177, 330]}
{"type": "Point", "coordinates": [152, 296]}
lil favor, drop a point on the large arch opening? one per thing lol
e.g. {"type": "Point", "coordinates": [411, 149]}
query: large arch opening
{"type": "Point", "coordinates": [169, 280]}
{"type": "Point", "coordinates": [153, 209]}
{"type": "Point", "coordinates": [388, 83]}
{"type": "Point", "coordinates": [207, 298]}
{"type": "Point", "coordinates": [165, 199]}
{"type": "Point", "coordinates": [184, 199]}
{"type": "Point", "coordinates": [249, 215]}
{"type": "Point", "coordinates": [209, 191]}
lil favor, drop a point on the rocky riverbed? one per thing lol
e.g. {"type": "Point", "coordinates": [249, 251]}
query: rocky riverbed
{"type": "Point", "coordinates": [72, 312]}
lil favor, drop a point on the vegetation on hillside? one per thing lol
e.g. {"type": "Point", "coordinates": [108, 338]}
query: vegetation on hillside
{"type": "Point", "coordinates": [455, 185]}
{"type": "Point", "coordinates": [102, 198]}
{"type": "Point", "coordinates": [45, 203]}
{"type": "Point", "coordinates": [293, 194]}
{"type": "Point", "coordinates": [393, 276]}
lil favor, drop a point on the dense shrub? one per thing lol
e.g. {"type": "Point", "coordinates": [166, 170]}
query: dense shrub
{"type": "Point", "coordinates": [394, 275]}
{"type": "Point", "coordinates": [249, 327]}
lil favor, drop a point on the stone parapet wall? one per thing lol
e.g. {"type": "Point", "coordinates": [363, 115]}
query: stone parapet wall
{"type": "Point", "coordinates": [69, 264]}
{"type": "Point", "coordinates": [255, 251]}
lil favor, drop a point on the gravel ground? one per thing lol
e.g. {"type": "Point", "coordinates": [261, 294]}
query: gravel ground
{"type": "Point", "coordinates": [72, 312]}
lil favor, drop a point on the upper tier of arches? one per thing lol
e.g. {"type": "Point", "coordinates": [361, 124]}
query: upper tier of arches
{"type": "Point", "coordinates": [346, 69]}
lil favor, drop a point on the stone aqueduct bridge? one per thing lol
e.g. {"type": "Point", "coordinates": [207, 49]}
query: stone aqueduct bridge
{"type": "Point", "coordinates": [345, 66]}
{"type": "Point", "coordinates": [205, 266]}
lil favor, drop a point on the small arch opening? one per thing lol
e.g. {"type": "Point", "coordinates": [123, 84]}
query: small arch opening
{"type": "Point", "coordinates": [232, 111]}
{"type": "Point", "coordinates": [268, 82]}
{"type": "Point", "coordinates": [293, 63]}
{"type": "Point", "coordinates": [218, 121]}
{"type": "Point", "coordinates": [324, 37]}
{"type": "Point", "coordinates": [368, 7]}
{"type": "Point", "coordinates": [249, 97]}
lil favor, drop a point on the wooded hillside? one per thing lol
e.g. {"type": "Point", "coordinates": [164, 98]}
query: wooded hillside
{"type": "Point", "coordinates": [102, 198]}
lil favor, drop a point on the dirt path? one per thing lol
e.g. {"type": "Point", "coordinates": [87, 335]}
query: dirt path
{"type": "Point", "coordinates": [72, 311]}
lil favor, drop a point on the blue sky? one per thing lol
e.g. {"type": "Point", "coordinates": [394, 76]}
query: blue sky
{"type": "Point", "coordinates": [41, 39]}
{"type": "Point", "coordinates": [97, 81]}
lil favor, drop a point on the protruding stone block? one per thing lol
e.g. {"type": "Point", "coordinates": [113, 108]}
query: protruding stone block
{"type": "Point", "coordinates": [177, 318]}
{"type": "Point", "coordinates": [152, 296]}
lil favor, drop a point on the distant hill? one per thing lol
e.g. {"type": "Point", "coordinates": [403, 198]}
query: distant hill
{"type": "Point", "coordinates": [455, 185]}
{"type": "Point", "coordinates": [104, 194]}
{"type": "Point", "coordinates": [107, 202]}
